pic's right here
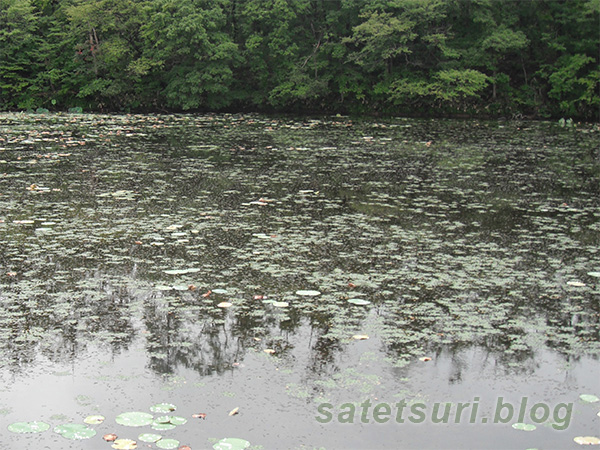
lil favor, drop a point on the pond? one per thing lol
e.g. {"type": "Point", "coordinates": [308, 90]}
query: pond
{"type": "Point", "coordinates": [298, 282]}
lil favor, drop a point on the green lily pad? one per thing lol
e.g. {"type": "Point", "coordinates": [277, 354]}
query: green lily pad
{"type": "Point", "coordinates": [167, 443]}
{"type": "Point", "coordinates": [594, 274]}
{"type": "Point", "coordinates": [523, 426]}
{"type": "Point", "coordinates": [178, 420]}
{"type": "Point", "coordinates": [219, 291]}
{"type": "Point", "coordinates": [587, 440]}
{"type": "Point", "coordinates": [163, 419]}
{"type": "Point", "coordinates": [124, 444]}
{"type": "Point", "coordinates": [163, 408]}
{"type": "Point", "coordinates": [94, 420]}
{"type": "Point", "coordinates": [74, 431]}
{"type": "Point", "coordinates": [308, 293]}
{"type": "Point", "coordinates": [162, 287]}
{"type": "Point", "coordinates": [28, 427]}
{"type": "Point", "coordinates": [359, 301]}
{"type": "Point", "coordinates": [281, 304]}
{"type": "Point", "coordinates": [134, 419]}
{"type": "Point", "coordinates": [180, 287]}
{"type": "Point", "coordinates": [231, 444]}
{"type": "Point", "coordinates": [589, 398]}
{"type": "Point", "coordinates": [181, 271]}
{"type": "Point", "coordinates": [149, 437]}
{"type": "Point", "coordinates": [158, 426]}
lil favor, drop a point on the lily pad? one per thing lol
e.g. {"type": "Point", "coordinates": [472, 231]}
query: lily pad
{"type": "Point", "coordinates": [359, 301]}
{"type": "Point", "coordinates": [594, 274]}
{"type": "Point", "coordinates": [124, 444]}
{"type": "Point", "coordinates": [162, 426]}
{"type": "Point", "coordinates": [94, 420]}
{"type": "Point", "coordinates": [281, 304]}
{"type": "Point", "coordinates": [163, 408]}
{"type": "Point", "coordinates": [28, 427]}
{"type": "Point", "coordinates": [523, 426]}
{"type": "Point", "coordinates": [308, 293]}
{"type": "Point", "coordinates": [587, 440]}
{"type": "Point", "coordinates": [167, 443]}
{"type": "Point", "coordinates": [75, 431]}
{"type": "Point", "coordinates": [231, 444]}
{"type": "Point", "coordinates": [589, 398]}
{"type": "Point", "coordinates": [178, 420]}
{"type": "Point", "coordinates": [149, 437]}
{"type": "Point", "coordinates": [224, 305]}
{"type": "Point", "coordinates": [134, 419]}
{"type": "Point", "coordinates": [219, 291]}
{"type": "Point", "coordinates": [162, 287]}
{"type": "Point", "coordinates": [181, 271]}
{"type": "Point", "coordinates": [360, 337]}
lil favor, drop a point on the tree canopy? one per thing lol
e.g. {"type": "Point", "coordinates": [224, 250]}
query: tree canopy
{"type": "Point", "coordinates": [535, 58]}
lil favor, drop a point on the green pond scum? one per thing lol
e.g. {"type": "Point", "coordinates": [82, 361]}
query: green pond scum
{"type": "Point", "coordinates": [275, 263]}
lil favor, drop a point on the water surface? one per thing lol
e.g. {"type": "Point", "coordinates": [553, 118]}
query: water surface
{"type": "Point", "coordinates": [476, 244]}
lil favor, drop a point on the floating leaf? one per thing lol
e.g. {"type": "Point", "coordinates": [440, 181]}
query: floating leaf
{"type": "Point", "coordinates": [594, 274]}
{"type": "Point", "coordinates": [181, 287]}
{"type": "Point", "coordinates": [587, 440]}
{"type": "Point", "coordinates": [576, 283]}
{"type": "Point", "coordinates": [181, 271]}
{"type": "Point", "coordinates": [165, 426]}
{"type": "Point", "coordinates": [231, 444]}
{"type": "Point", "coordinates": [425, 358]}
{"type": "Point", "coordinates": [523, 426]}
{"type": "Point", "coordinates": [359, 301]}
{"type": "Point", "coordinates": [110, 437]}
{"type": "Point", "coordinates": [75, 431]}
{"type": "Point", "coordinates": [270, 351]}
{"type": "Point", "coordinates": [163, 408]}
{"type": "Point", "coordinates": [124, 444]}
{"type": "Point", "coordinates": [149, 437]}
{"type": "Point", "coordinates": [220, 291]}
{"type": "Point", "coordinates": [162, 287]}
{"type": "Point", "coordinates": [167, 443]}
{"type": "Point", "coordinates": [185, 447]}
{"type": "Point", "coordinates": [134, 419]}
{"type": "Point", "coordinates": [280, 304]}
{"type": "Point", "coordinates": [234, 411]}
{"type": "Point", "coordinates": [177, 420]}
{"type": "Point", "coordinates": [199, 416]}
{"type": "Point", "coordinates": [163, 419]}
{"type": "Point", "coordinates": [589, 398]}
{"type": "Point", "coordinates": [308, 293]}
{"type": "Point", "coordinates": [28, 427]}
{"type": "Point", "coordinates": [224, 305]}
{"type": "Point", "coordinates": [94, 420]}
{"type": "Point", "coordinates": [360, 337]}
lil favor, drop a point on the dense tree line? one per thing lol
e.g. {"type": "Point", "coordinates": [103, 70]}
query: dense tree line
{"type": "Point", "coordinates": [522, 57]}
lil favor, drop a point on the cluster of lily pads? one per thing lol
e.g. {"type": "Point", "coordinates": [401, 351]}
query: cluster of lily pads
{"type": "Point", "coordinates": [165, 421]}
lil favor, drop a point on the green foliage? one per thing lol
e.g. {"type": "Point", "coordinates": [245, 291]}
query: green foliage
{"type": "Point", "coordinates": [536, 57]}
{"type": "Point", "coordinates": [18, 53]}
{"type": "Point", "coordinates": [454, 88]}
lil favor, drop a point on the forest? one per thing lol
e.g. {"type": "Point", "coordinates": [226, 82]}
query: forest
{"type": "Point", "coordinates": [487, 58]}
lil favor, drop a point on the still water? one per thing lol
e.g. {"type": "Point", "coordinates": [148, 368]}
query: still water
{"type": "Point", "coordinates": [306, 283]}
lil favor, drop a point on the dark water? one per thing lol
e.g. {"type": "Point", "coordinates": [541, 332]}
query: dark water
{"type": "Point", "coordinates": [477, 245]}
